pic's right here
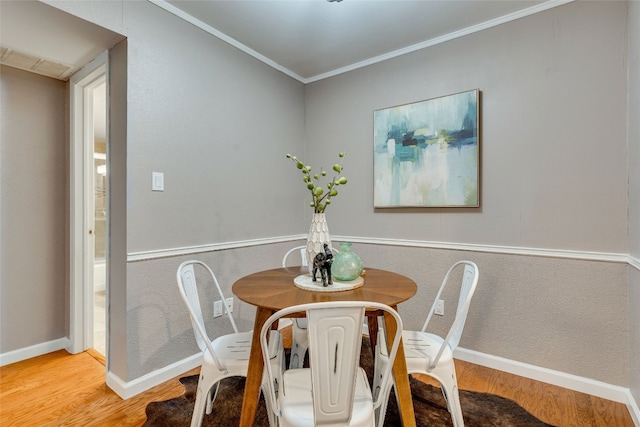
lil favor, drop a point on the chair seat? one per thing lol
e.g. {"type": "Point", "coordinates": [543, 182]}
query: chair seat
{"type": "Point", "coordinates": [297, 404]}
{"type": "Point", "coordinates": [234, 349]}
{"type": "Point", "coordinates": [420, 349]}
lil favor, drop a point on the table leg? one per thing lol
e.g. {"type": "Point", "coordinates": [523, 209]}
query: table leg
{"type": "Point", "coordinates": [372, 324]}
{"type": "Point", "coordinates": [254, 372]}
{"type": "Point", "coordinates": [403, 388]}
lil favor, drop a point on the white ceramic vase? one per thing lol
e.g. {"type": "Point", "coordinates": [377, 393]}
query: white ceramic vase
{"type": "Point", "coordinates": [318, 236]}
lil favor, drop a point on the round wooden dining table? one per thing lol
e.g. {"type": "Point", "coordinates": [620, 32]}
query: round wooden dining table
{"type": "Point", "coordinates": [273, 290]}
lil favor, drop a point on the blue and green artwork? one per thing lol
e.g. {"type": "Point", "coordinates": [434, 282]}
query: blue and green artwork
{"type": "Point", "coordinates": [426, 154]}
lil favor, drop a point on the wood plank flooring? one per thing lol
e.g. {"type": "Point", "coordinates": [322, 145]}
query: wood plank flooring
{"type": "Point", "coordinates": [59, 389]}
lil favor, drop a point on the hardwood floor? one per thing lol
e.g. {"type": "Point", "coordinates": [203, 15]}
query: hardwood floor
{"type": "Point", "coordinates": [554, 405]}
{"type": "Point", "coordinates": [59, 389]}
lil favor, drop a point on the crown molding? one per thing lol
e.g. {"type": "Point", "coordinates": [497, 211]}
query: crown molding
{"type": "Point", "coordinates": [225, 38]}
{"type": "Point", "coordinates": [541, 7]}
{"type": "Point", "coordinates": [444, 38]}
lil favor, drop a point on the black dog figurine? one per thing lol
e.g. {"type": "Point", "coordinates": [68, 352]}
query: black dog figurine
{"type": "Point", "coordinates": [322, 262]}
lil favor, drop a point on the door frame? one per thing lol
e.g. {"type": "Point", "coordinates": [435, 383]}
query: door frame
{"type": "Point", "coordinates": [81, 179]}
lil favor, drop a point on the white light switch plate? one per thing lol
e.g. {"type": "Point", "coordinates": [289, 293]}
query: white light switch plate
{"type": "Point", "coordinates": [157, 181]}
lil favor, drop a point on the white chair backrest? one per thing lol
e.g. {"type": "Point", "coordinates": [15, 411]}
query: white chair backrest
{"type": "Point", "coordinates": [467, 288]}
{"type": "Point", "coordinates": [335, 340]}
{"type": "Point", "coordinates": [303, 255]}
{"type": "Point", "coordinates": [301, 251]}
{"type": "Point", "coordinates": [187, 284]}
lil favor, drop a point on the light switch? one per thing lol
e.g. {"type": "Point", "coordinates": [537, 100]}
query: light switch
{"type": "Point", "coordinates": [157, 181]}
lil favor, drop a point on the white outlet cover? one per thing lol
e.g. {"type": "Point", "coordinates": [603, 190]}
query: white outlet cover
{"type": "Point", "coordinates": [217, 308]}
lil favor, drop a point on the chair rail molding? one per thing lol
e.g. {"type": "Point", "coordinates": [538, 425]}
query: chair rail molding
{"type": "Point", "coordinates": [212, 247]}
{"type": "Point", "coordinates": [508, 250]}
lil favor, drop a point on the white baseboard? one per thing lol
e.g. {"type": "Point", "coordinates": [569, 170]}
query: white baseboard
{"type": "Point", "coordinates": [634, 410]}
{"type": "Point", "coordinates": [558, 378]}
{"type": "Point", "coordinates": [573, 382]}
{"type": "Point", "coordinates": [129, 389]}
{"type": "Point", "coordinates": [33, 351]}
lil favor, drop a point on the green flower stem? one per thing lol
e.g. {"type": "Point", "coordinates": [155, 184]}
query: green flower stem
{"type": "Point", "coordinates": [319, 197]}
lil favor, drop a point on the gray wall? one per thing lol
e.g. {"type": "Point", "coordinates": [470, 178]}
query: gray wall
{"type": "Point", "coordinates": [117, 359]}
{"type": "Point", "coordinates": [553, 132]}
{"type": "Point", "coordinates": [160, 332]}
{"type": "Point", "coordinates": [215, 121]}
{"type": "Point", "coordinates": [548, 312]}
{"type": "Point", "coordinates": [554, 176]}
{"type": "Point", "coordinates": [34, 209]}
{"type": "Point", "coordinates": [226, 121]}
{"type": "Point", "coordinates": [634, 196]}
{"type": "Point", "coordinates": [221, 127]}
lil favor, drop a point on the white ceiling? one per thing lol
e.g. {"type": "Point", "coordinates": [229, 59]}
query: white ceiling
{"type": "Point", "coordinates": [314, 39]}
{"type": "Point", "coordinates": [40, 38]}
{"type": "Point", "coordinates": [306, 39]}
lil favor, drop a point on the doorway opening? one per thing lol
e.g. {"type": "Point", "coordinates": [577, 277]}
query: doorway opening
{"type": "Point", "coordinates": [89, 219]}
{"type": "Point", "coordinates": [99, 216]}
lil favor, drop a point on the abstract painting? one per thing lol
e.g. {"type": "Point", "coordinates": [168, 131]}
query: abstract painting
{"type": "Point", "coordinates": [427, 153]}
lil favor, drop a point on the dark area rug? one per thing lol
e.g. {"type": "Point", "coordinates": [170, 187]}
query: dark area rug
{"type": "Point", "coordinates": [479, 409]}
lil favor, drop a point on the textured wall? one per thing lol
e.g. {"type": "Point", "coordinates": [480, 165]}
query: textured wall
{"type": "Point", "coordinates": [218, 123]}
{"type": "Point", "coordinates": [553, 120]}
{"type": "Point", "coordinates": [634, 333]}
{"type": "Point", "coordinates": [34, 205]}
{"type": "Point", "coordinates": [554, 176]}
{"type": "Point", "coordinates": [225, 122]}
{"type": "Point", "coordinates": [117, 274]}
{"type": "Point", "coordinates": [161, 333]}
{"type": "Point", "coordinates": [561, 314]}
{"type": "Point", "coordinates": [634, 195]}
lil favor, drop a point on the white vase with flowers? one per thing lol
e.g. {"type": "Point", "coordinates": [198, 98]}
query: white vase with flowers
{"type": "Point", "coordinates": [321, 196]}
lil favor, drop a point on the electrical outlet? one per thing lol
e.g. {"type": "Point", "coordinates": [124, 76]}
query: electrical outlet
{"type": "Point", "coordinates": [217, 308]}
{"type": "Point", "coordinates": [230, 304]}
{"type": "Point", "coordinates": [440, 307]}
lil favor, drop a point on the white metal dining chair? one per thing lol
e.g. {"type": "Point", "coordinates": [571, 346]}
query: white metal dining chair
{"type": "Point", "coordinates": [299, 340]}
{"type": "Point", "coordinates": [226, 355]}
{"type": "Point", "coordinates": [334, 390]}
{"type": "Point", "coordinates": [430, 354]}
